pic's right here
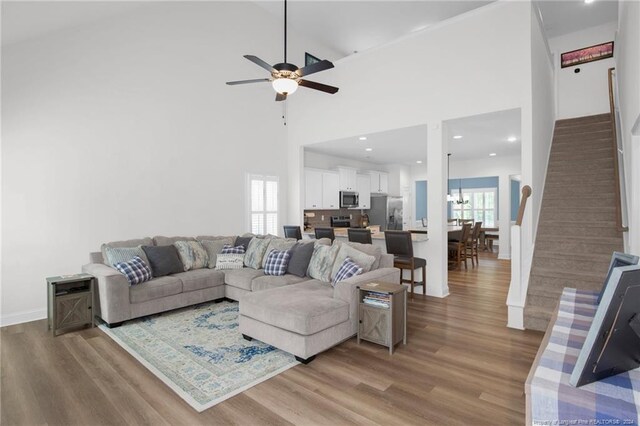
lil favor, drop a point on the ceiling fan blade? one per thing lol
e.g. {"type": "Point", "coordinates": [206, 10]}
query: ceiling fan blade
{"type": "Point", "coordinates": [255, 80]}
{"type": "Point", "coordinates": [318, 86]}
{"type": "Point", "coordinates": [260, 63]}
{"type": "Point", "coordinates": [313, 68]}
{"type": "Point", "coordinates": [280, 97]}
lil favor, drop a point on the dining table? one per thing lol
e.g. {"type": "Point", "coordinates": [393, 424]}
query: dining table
{"type": "Point", "coordinates": [454, 231]}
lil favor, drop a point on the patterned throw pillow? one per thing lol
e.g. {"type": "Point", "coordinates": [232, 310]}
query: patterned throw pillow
{"type": "Point", "coordinates": [229, 261]}
{"type": "Point", "coordinates": [192, 254]}
{"type": "Point", "coordinates": [347, 251]}
{"type": "Point", "coordinates": [214, 248]}
{"type": "Point", "coordinates": [277, 262]}
{"type": "Point", "coordinates": [255, 252]}
{"type": "Point", "coordinates": [348, 269]}
{"type": "Point", "coordinates": [116, 255]}
{"type": "Point", "coordinates": [135, 270]}
{"type": "Point", "coordinates": [229, 249]}
{"type": "Point", "coordinates": [322, 262]}
{"type": "Point", "coordinates": [279, 244]}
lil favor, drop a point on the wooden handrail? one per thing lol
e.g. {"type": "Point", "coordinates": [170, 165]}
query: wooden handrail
{"type": "Point", "coordinates": [526, 193]}
{"type": "Point", "coordinates": [616, 166]}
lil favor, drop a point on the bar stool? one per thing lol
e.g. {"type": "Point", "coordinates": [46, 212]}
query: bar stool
{"type": "Point", "coordinates": [292, 232]}
{"type": "Point", "coordinates": [325, 233]}
{"type": "Point", "coordinates": [359, 235]}
{"type": "Point", "coordinates": [399, 244]}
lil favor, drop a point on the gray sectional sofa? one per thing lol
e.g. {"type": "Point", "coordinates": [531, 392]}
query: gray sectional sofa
{"type": "Point", "coordinates": [300, 315]}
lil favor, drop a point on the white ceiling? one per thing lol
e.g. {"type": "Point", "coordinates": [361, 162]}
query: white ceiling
{"type": "Point", "coordinates": [564, 17]}
{"type": "Point", "coordinates": [482, 135]}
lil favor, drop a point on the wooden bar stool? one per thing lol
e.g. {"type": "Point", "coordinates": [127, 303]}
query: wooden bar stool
{"type": "Point", "coordinates": [400, 245]}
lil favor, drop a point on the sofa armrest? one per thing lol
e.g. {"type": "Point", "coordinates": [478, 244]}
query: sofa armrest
{"type": "Point", "coordinates": [112, 289]}
{"type": "Point", "coordinates": [347, 290]}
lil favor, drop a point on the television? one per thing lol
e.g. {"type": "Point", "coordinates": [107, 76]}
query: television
{"type": "Point", "coordinates": [617, 259]}
{"type": "Point", "coordinates": [612, 345]}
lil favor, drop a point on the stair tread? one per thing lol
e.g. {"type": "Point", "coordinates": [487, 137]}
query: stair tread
{"type": "Point", "coordinates": [573, 256]}
{"type": "Point", "coordinates": [563, 274]}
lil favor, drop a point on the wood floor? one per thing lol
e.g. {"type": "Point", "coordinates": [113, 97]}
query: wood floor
{"type": "Point", "coordinates": [461, 366]}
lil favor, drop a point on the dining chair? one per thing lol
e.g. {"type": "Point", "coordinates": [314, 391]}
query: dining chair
{"type": "Point", "coordinates": [457, 249]}
{"type": "Point", "coordinates": [400, 245]}
{"type": "Point", "coordinates": [452, 221]}
{"type": "Point", "coordinates": [463, 221]}
{"type": "Point", "coordinates": [325, 233]}
{"type": "Point", "coordinates": [489, 239]}
{"type": "Point", "coordinates": [359, 235]}
{"type": "Point", "coordinates": [292, 232]}
{"type": "Point", "coordinates": [473, 244]}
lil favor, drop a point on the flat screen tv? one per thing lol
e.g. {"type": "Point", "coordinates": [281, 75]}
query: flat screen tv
{"type": "Point", "coordinates": [612, 345]}
{"type": "Point", "coordinates": [617, 259]}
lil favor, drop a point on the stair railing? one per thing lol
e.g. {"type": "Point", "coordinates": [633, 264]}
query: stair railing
{"type": "Point", "coordinates": [517, 289]}
{"type": "Point", "coordinates": [618, 160]}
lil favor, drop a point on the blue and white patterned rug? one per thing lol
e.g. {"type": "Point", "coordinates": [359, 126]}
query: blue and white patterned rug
{"type": "Point", "coordinates": [200, 353]}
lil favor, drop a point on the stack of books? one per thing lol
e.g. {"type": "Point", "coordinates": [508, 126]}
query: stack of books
{"type": "Point", "coordinates": [374, 298]}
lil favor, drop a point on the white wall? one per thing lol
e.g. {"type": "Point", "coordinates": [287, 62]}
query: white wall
{"type": "Point", "coordinates": [627, 55]}
{"type": "Point", "coordinates": [124, 128]}
{"type": "Point", "coordinates": [587, 92]}
{"type": "Point", "coordinates": [329, 162]}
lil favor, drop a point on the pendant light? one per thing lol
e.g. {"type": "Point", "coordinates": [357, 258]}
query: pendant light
{"type": "Point", "coordinates": [451, 197]}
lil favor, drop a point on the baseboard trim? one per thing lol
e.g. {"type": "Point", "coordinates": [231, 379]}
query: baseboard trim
{"type": "Point", "coordinates": [20, 317]}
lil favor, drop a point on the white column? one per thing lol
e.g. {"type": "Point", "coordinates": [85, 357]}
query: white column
{"type": "Point", "coordinates": [504, 212]}
{"type": "Point", "coordinates": [437, 274]}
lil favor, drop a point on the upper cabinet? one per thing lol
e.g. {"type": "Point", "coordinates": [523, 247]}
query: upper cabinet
{"type": "Point", "coordinates": [348, 181]}
{"type": "Point", "coordinates": [330, 191]}
{"type": "Point", "coordinates": [364, 190]}
{"type": "Point", "coordinates": [312, 189]}
{"type": "Point", "coordinates": [379, 182]}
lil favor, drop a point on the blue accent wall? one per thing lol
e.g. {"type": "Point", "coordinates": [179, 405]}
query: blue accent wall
{"type": "Point", "coordinates": [515, 199]}
{"type": "Point", "coordinates": [421, 199]}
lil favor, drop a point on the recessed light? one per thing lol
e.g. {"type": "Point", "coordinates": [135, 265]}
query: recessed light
{"type": "Point", "coordinates": [419, 161]}
{"type": "Point", "coordinates": [512, 139]}
{"type": "Point", "coordinates": [493, 154]}
{"type": "Point", "coordinates": [589, 1]}
{"type": "Point", "coordinates": [457, 136]}
{"type": "Point", "coordinates": [368, 149]}
{"type": "Point", "coordinates": [363, 138]}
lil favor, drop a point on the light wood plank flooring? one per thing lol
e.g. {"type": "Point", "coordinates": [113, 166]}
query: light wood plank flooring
{"type": "Point", "coordinates": [461, 366]}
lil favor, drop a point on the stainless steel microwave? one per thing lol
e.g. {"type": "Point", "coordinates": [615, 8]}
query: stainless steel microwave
{"type": "Point", "coordinates": [349, 199]}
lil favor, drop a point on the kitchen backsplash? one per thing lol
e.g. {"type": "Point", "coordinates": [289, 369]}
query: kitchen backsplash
{"type": "Point", "coordinates": [318, 221]}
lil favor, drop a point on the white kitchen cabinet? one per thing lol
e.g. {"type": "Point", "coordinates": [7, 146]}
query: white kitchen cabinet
{"type": "Point", "coordinates": [379, 182]}
{"type": "Point", "coordinates": [384, 183]}
{"type": "Point", "coordinates": [312, 189]}
{"type": "Point", "coordinates": [363, 187]}
{"type": "Point", "coordinates": [348, 180]}
{"type": "Point", "coordinates": [330, 190]}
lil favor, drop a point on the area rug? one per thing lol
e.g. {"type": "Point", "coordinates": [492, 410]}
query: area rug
{"type": "Point", "coordinates": [200, 353]}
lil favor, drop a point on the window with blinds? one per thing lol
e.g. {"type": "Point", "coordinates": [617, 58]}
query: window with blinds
{"type": "Point", "coordinates": [263, 204]}
{"type": "Point", "coordinates": [481, 206]}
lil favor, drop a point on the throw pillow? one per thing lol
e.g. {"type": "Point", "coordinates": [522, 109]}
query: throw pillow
{"type": "Point", "coordinates": [255, 252]}
{"type": "Point", "coordinates": [229, 261]}
{"type": "Point", "coordinates": [116, 255]}
{"type": "Point", "coordinates": [192, 254]}
{"type": "Point", "coordinates": [214, 248]}
{"type": "Point", "coordinates": [244, 241]}
{"type": "Point", "coordinates": [321, 263]}
{"type": "Point", "coordinates": [163, 260]}
{"type": "Point", "coordinates": [279, 244]}
{"type": "Point", "coordinates": [346, 251]}
{"type": "Point", "coordinates": [277, 262]}
{"type": "Point", "coordinates": [135, 270]}
{"type": "Point", "coordinates": [300, 256]}
{"type": "Point", "coordinates": [347, 269]}
{"type": "Point", "coordinates": [229, 249]}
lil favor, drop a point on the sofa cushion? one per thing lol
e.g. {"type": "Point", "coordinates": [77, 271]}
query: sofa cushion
{"type": "Point", "coordinates": [280, 244]}
{"type": "Point", "coordinates": [125, 243]}
{"type": "Point", "coordinates": [357, 256]}
{"type": "Point", "coordinates": [167, 241]}
{"type": "Point", "coordinates": [321, 264]}
{"type": "Point", "coordinates": [155, 289]}
{"type": "Point", "coordinates": [271, 281]}
{"type": "Point", "coordinates": [115, 255]}
{"type": "Point", "coordinates": [192, 254]}
{"type": "Point", "coordinates": [369, 249]}
{"type": "Point", "coordinates": [200, 279]}
{"type": "Point", "coordinates": [214, 248]}
{"type": "Point", "coordinates": [163, 260]}
{"type": "Point", "coordinates": [135, 270]}
{"type": "Point", "coordinates": [216, 238]}
{"type": "Point", "coordinates": [299, 308]}
{"type": "Point", "coordinates": [242, 278]}
{"type": "Point", "coordinates": [255, 252]}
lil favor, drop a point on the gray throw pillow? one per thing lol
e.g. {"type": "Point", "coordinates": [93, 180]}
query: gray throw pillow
{"type": "Point", "coordinates": [214, 248]}
{"type": "Point", "coordinates": [321, 263]}
{"type": "Point", "coordinates": [116, 255]}
{"type": "Point", "coordinates": [244, 242]}
{"type": "Point", "coordinates": [163, 260]}
{"type": "Point", "coordinates": [300, 256]}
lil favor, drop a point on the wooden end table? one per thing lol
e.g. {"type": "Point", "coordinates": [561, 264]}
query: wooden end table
{"type": "Point", "coordinates": [69, 301]}
{"type": "Point", "coordinates": [382, 314]}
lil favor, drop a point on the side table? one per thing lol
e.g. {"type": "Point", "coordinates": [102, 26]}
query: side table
{"type": "Point", "coordinates": [69, 301]}
{"type": "Point", "coordinates": [382, 314]}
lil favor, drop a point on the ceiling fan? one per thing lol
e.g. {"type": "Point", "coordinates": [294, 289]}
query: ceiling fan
{"type": "Point", "coordinates": [286, 77]}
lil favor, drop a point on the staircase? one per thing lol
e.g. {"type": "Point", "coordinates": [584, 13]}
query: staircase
{"type": "Point", "coordinates": [577, 230]}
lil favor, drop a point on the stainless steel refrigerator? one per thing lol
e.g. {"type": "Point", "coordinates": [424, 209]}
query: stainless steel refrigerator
{"type": "Point", "coordinates": [386, 211]}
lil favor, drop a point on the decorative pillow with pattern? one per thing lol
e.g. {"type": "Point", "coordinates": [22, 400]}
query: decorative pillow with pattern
{"type": "Point", "coordinates": [116, 255]}
{"type": "Point", "coordinates": [277, 262]}
{"type": "Point", "coordinates": [255, 252]}
{"type": "Point", "coordinates": [192, 254]}
{"type": "Point", "coordinates": [279, 244]}
{"type": "Point", "coordinates": [322, 261]}
{"type": "Point", "coordinates": [229, 249]}
{"type": "Point", "coordinates": [214, 248]}
{"type": "Point", "coordinates": [135, 270]}
{"type": "Point", "coordinates": [348, 269]}
{"type": "Point", "coordinates": [347, 251]}
{"type": "Point", "coordinates": [229, 261]}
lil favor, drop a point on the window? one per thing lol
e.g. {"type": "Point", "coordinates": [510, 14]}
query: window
{"type": "Point", "coordinates": [263, 204]}
{"type": "Point", "coordinates": [482, 206]}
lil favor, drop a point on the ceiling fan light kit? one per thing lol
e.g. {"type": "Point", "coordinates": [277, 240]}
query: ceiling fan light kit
{"type": "Point", "coordinates": [286, 77]}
